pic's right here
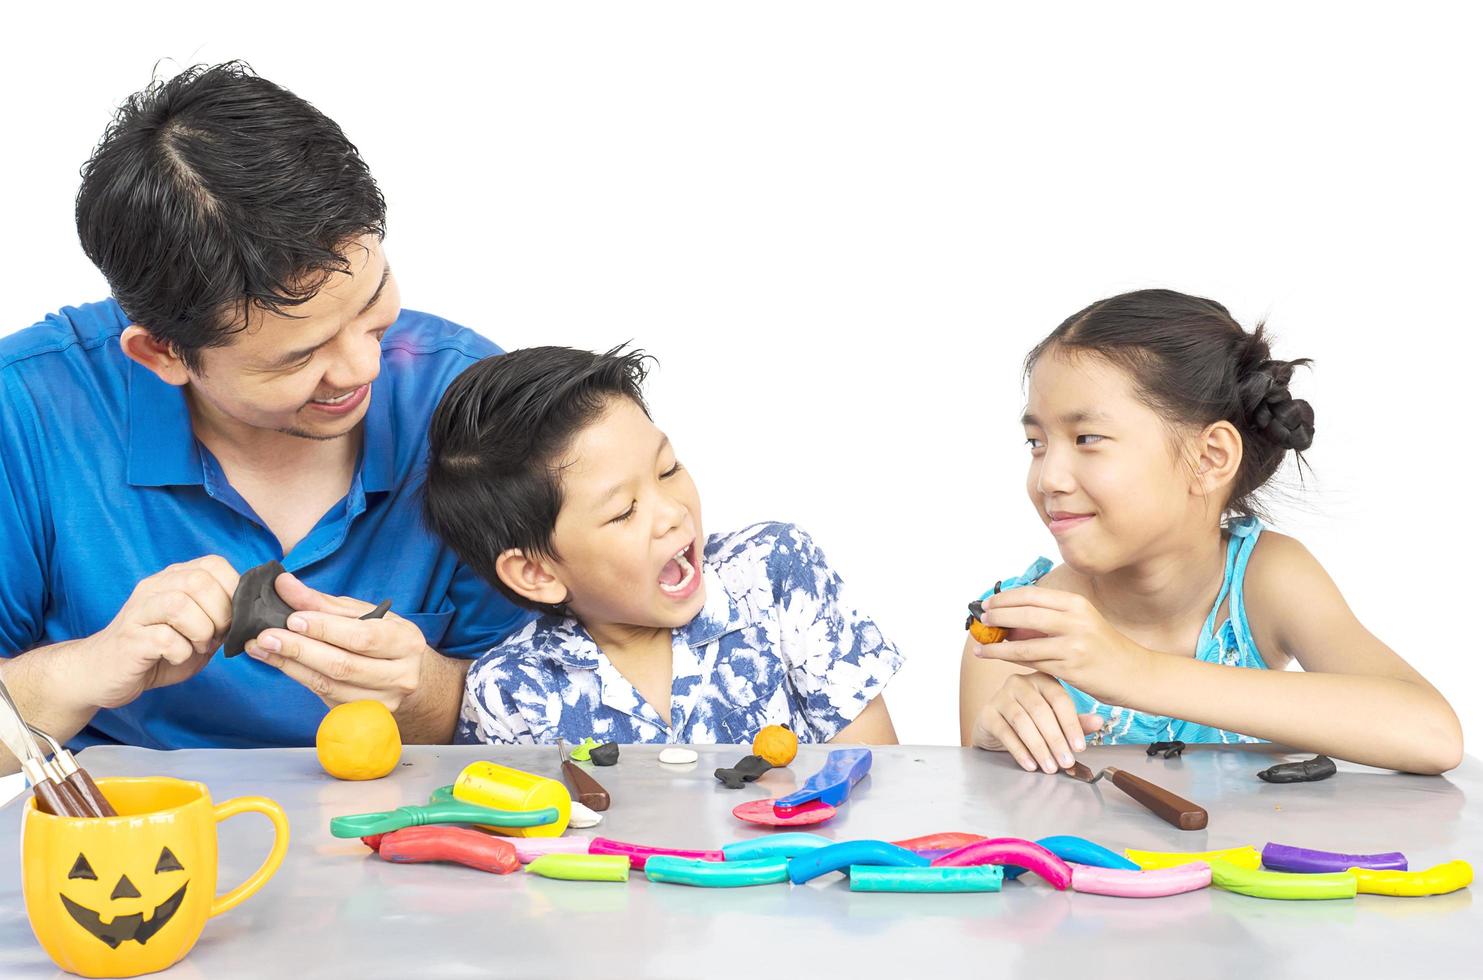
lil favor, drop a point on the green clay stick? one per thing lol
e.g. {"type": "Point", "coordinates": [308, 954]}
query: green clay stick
{"type": "Point", "coordinates": [1281, 885]}
{"type": "Point", "coordinates": [581, 867]}
{"type": "Point", "coordinates": [716, 874]}
{"type": "Point", "coordinates": [979, 878]}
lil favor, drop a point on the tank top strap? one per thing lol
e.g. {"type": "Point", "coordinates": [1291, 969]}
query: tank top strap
{"type": "Point", "coordinates": [1033, 574]}
{"type": "Point", "coordinates": [1246, 531]}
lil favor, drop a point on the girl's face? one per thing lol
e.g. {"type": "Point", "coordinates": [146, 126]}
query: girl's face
{"type": "Point", "coordinates": [1105, 476]}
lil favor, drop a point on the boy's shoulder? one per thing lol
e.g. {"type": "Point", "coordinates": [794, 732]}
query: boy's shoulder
{"type": "Point", "coordinates": [544, 645]}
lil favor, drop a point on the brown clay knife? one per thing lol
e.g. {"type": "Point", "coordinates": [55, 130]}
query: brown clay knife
{"type": "Point", "coordinates": [1175, 810]}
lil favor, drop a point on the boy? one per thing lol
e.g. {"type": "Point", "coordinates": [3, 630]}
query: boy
{"type": "Point", "coordinates": [547, 476]}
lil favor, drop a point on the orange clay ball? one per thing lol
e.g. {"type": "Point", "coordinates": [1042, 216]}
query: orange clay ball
{"type": "Point", "coordinates": [986, 634]}
{"type": "Point", "coordinates": [777, 744]}
{"type": "Point", "coordinates": [358, 740]}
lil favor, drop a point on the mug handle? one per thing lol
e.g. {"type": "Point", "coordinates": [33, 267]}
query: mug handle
{"type": "Point", "coordinates": [259, 878]}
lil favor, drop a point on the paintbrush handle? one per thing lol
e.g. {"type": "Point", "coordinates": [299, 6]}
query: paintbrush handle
{"type": "Point", "coordinates": [83, 785]}
{"type": "Point", "coordinates": [1171, 809]}
{"type": "Point", "coordinates": [49, 799]}
{"type": "Point", "coordinates": [585, 790]}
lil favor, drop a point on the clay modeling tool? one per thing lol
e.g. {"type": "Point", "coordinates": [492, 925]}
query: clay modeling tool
{"type": "Point", "coordinates": [839, 857]}
{"type": "Point", "coordinates": [1283, 857]}
{"type": "Point", "coordinates": [76, 776]}
{"type": "Point", "coordinates": [52, 794]}
{"type": "Point", "coordinates": [1280, 885]}
{"type": "Point", "coordinates": [580, 867]}
{"type": "Point", "coordinates": [1122, 883]}
{"type": "Point", "coordinates": [1439, 880]}
{"type": "Point", "coordinates": [585, 790]}
{"type": "Point", "coordinates": [980, 878]}
{"type": "Point", "coordinates": [638, 854]}
{"type": "Point", "coordinates": [1174, 810]}
{"type": "Point", "coordinates": [503, 788]}
{"type": "Point", "coordinates": [1240, 857]}
{"type": "Point", "coordinates": [458, 845]}
{"type": "Point", "coordinates": [1307, 771]}
{"type": "Point", "coordinates": [711, 874]}
{"type": "Point", "coordinates": [785, 845]}
{"type": "Point", "coordinates": [1010, 850]}
{"type": "Point", "coordinates": [386, 821]}
{"type": "Point", "coordinates": [763, 812]}
{"type": "Point", "coordinates": [832, 784]}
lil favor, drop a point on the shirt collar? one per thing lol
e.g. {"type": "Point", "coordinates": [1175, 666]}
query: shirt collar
{"type": "Point", "coordinates": [163, 450]}
{"type": "Point", "coordinates": [162, 447]}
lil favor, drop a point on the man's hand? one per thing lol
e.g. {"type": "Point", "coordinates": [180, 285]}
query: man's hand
{"type": "Point", "coordinates": [330, 650]}
{"type": "Point", "coordinates": [165, 633]}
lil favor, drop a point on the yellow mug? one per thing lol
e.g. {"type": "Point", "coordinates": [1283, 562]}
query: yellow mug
{"type": "Point", "coordinates": [125, 895]}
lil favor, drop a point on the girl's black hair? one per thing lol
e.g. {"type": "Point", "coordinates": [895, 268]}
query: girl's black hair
{"type": "Point", "coordinates": [1193, 364]}
{"type": "Point", "coordinates": [495, 445]}
{"type": "Point", "coordinates": [215, 191]}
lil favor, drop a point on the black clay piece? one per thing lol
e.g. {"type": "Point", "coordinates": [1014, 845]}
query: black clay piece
{"type": "Point", "coordinates": [1307, 771]}
{"type": "Point", "coordinates": [746, 770]}
{"type": "Point", "coordinates": [604, 755]}
{"type": "Point", "coordinates": [1170, 749]}
{"type": "Point", "coordinates": [257, 606]}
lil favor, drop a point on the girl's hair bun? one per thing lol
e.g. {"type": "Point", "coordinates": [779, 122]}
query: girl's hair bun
{"type": "Point", "coordinates": [1271, 411]}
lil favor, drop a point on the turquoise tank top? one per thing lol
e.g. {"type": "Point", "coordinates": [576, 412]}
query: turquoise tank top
{"type": "Point", "coordinates": [1232, 645]}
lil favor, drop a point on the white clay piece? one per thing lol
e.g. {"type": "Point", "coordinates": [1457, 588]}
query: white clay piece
{"type": "Point", "coordinates": [678, 757]}
{"type": "Point", "coordinates": [583, 817]}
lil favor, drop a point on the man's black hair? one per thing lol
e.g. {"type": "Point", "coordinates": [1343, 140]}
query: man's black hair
{"type": "Point", "coordinates": [495, 446]}
{"type": "Point", "coordinates": [217, 191]}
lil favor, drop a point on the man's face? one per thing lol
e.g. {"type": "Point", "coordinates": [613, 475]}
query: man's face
{"type": "Point", "coordinates": [307, 373]}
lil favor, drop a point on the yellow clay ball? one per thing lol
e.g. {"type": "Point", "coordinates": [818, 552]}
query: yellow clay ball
{"type": "Point", "coordinates": [359, 740]}
{"type": "Point", "coordinates": [776, 744]}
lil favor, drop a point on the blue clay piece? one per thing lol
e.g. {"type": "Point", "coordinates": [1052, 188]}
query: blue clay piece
{"type": "Point", "coordinates": [784, 845]}
{"type": "Point", "coordinates": [838, 857]}
{"type": "Point", "coordinates": [831, 784]}
{"type": "Point", "coordinates": [1079, 850]}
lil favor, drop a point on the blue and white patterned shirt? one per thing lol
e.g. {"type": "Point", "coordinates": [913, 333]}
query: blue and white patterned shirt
{"type": "Point", "coordinates": [775, 644]}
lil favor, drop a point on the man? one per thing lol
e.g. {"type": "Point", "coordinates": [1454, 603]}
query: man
{"type": "Point", "coordinates": [252, 392]}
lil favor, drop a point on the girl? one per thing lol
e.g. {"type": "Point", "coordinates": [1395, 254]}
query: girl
{"type": "Point", "coordinates": [1152, 420]}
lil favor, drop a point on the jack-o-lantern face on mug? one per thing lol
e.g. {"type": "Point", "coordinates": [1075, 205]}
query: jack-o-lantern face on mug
{"type": "Point", "coordinates": [124, 895]}
{"type": "Point", "coordinates": [127, 915]}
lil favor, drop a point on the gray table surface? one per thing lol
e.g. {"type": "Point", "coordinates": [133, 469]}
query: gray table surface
{"type": "Point", "coordinates": [333, 910]}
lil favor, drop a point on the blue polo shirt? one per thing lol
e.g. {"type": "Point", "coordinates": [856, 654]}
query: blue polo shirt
{"type": "Point", "coordinates": [103, 483]}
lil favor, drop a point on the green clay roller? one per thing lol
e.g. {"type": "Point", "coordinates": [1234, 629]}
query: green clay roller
{"type": "Point", "coordinates": [386, 821]}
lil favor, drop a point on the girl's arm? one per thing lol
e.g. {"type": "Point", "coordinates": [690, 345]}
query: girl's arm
{"type": "Point", "coordinates": [1355, 698]}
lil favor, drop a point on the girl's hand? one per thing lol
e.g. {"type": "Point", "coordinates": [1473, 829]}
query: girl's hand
{"type": "Point", "coordinates": [1074, 643]}
{"type": "Point", "coordinates": [1033, 719]}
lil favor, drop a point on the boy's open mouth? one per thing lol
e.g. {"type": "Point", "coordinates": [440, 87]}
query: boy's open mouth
{"type": "Point", "coordinates": [679, 571]}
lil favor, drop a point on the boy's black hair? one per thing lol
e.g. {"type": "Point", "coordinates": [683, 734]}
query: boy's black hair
{"type": "Point", "coordinates": [216, 191]}
{"type": "Point", "coordinates": [1193, 364]}
{"type": "Point", "coordinates": [495, 446]}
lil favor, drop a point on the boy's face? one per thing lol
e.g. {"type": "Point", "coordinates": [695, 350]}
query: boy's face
{"type": "Point", "coordinates": [629, 532]}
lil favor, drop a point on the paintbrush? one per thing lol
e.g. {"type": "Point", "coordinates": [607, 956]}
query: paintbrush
{"type": "Point", "coordinates": [76, 776]}
{"type": "Point", "coordinates": [52, 794]}
{"type": "Point", "coordinates": [585, 790]}
{"type": "Point", "coordinates": [1175, 810]}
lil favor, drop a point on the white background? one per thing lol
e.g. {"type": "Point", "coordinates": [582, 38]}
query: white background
{"type": "Point", "coordinates": [841, 226]}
